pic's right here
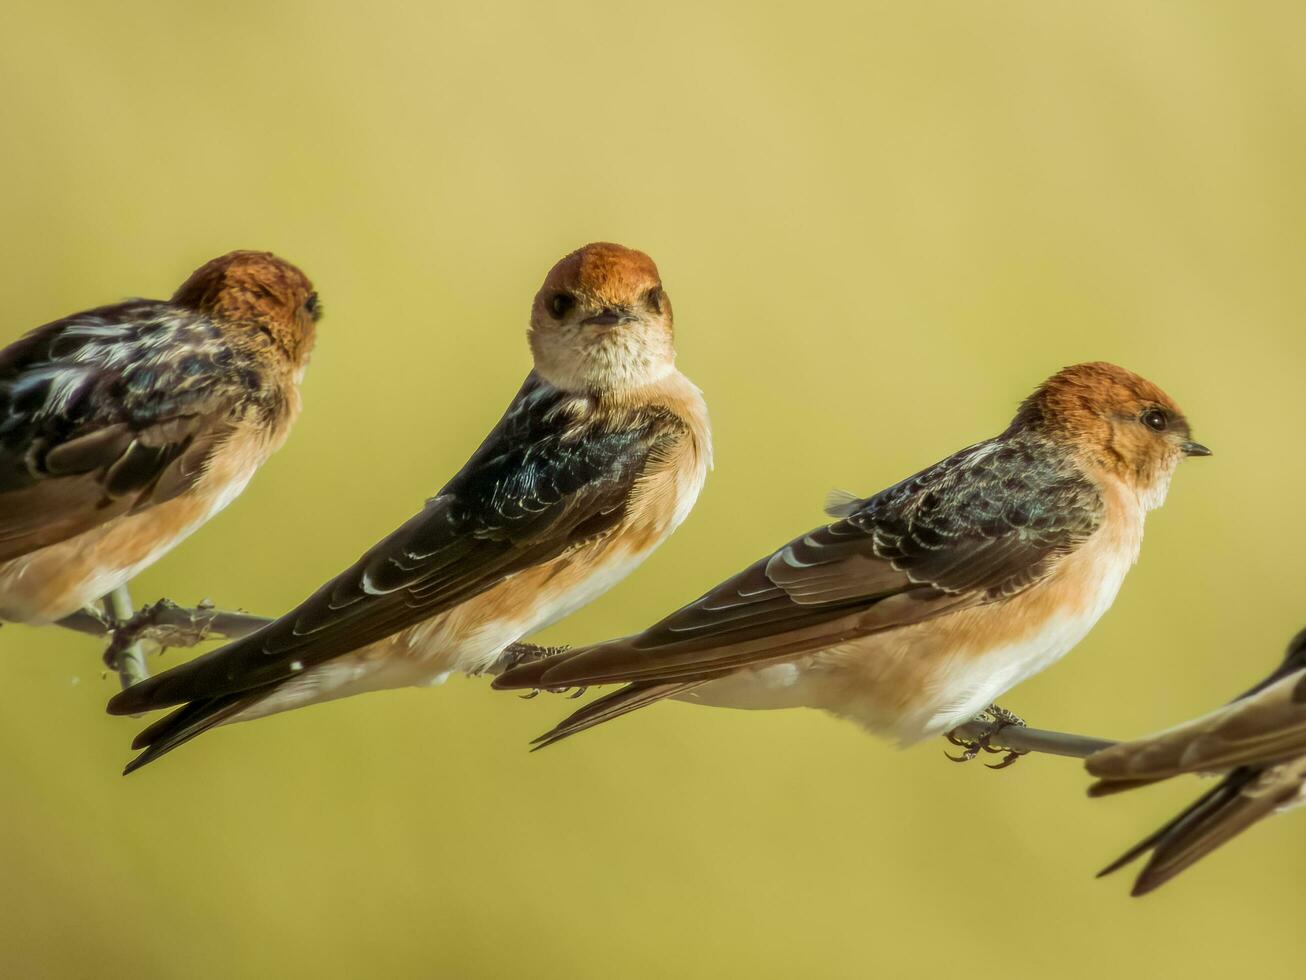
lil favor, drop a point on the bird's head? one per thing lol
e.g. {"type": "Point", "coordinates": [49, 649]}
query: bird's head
{"type": "Point", "coordinates": [602, 322]}
{"type": "Point", "coordinates": [259, 291]}
{"type": "Point", "coordinates": [1112, 419]}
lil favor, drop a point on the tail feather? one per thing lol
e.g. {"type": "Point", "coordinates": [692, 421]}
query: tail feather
{"type": "Point", "coordinates": [180, 726]}
{"type": "Point", "coordinates": [1109, 787]}
{"type": "Point", "coordinates": [1212, 820]}
{"type": "Point", "coordinates": [611, 706]}
{"type": "Point", "coordinates": [527, 674]}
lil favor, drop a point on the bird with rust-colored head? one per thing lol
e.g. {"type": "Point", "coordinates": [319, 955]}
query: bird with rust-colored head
{"type": "Point", "coordinates": [920, 605]}
{"type": "Point", "coordinates": [124, 428]}
{"type": "Point", "coordinates": [597, 459]}
{"type": "Point", "coordinates": [1258, 742]}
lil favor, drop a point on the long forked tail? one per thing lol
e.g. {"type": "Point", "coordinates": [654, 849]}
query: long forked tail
{"type": "Point", "coordinates": [1216, 817]}
{"type": "Point", "coordinates": [611, 706]}
{"type": "Point", "coordinates": [180, 726]}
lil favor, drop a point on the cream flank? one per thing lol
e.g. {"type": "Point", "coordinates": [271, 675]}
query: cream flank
{"type": "Point", "coordinates": [50, 583]}
{"type": "Point", "coordinates": [470, 637]}
{"type": "Point", "coordinates": [916, 681]}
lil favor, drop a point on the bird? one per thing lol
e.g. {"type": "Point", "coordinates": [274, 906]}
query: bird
{"type": "Point", "coordinates": [1258, 742]}
{"type": "Point", "coordinates": [124, 428]}
{"type": "Point", "coordinates": [918, 606]}
{"type": "Point", "coordinates": [598, 458]}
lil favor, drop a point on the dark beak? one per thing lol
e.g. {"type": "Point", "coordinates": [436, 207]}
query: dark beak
{"type": "Point", "coordinates": [608, 318]}
{"type": "Point", "coordinates": [1195, 449]}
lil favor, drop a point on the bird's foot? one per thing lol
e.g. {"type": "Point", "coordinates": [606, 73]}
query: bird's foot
{"type": "Point", "coordinates": [166, 624]}
{"type": "Point", "coordinates": [994, 719]}
{"type": "Point", "coordinates": [516, 654]}
{"type": "Point", "coordinates": [526, 653]}
{"type": "Point", "coordinates": [163, 624]}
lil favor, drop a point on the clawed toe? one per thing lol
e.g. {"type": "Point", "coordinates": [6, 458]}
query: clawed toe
{"type": "Point", "coordinates": [146, 625]}
{"type": "Point", "coordinates": [516, 654]}
{"type": "Point", "coordinates": [970, 747]}
{"type": "Point", "coordinates": [535, 692]}
{"type": "Point", "coordinates": [163, 623]}
{"type": "Point", "coordinates": [1007, 760]}
{"type": "Point", "coordinates": [995, 719]}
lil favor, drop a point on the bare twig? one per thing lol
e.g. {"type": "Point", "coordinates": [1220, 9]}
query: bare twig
{"type": "Point", "coordinates": [1019, 739]}
{"type": "Point", "coordinates": [130, 660]}
{"type": "Point", "coordinates": [163, 622]}
{"type": "Point", "coordinates": [172, 625]}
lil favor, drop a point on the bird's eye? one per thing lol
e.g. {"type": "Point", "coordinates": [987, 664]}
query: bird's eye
{"type": "Point", "coordinates": [1154, 419]}
{"type": "Point", "coordinates": [312, 306]}
{"type": "Point", "coordinates": [560, 304]}
{"type": "Point", "coordinates": [654, 299]}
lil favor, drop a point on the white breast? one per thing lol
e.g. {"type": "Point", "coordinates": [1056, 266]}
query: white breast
{"type": "Point", "coordinates": [920, 681]}
{"type": "Point", "coordinates": [968, 685]}
{"type": "Point", "coordinates": [970, 681]}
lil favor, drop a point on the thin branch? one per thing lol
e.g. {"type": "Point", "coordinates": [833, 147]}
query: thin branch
{"type": "Point", "coordinates": [129, 660]}
{"type": "Point", "coordinates": [171, 625]}
{"type": "Point", "coordinates": [164, 623]}
{"type": "Point", "coordinates": [90, 621]}
{"type": "Point", "coordinates": [1016, 738]}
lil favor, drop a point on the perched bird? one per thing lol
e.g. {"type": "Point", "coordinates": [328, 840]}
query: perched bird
{"type": "Point", "coordinates": [125, 428]}
{"type": "Point", "coordinates": [925, 602]}
{"type": "Point", "coordinates": [598, 458]}
{"type": "Point", "coordinates": [1259, 741]}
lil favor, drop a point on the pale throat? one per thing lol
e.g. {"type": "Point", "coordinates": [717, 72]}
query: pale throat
{"type": "Point", "coordinates": [615, 368]}
{"type": "Point", "coordinates": [1152, 493]}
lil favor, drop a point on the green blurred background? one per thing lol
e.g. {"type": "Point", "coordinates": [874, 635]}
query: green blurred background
{"type": "Point", "coordinates": [881, 225]}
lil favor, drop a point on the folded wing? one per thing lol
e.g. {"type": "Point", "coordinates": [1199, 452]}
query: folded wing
{"type": "Point", "coordinates": [986, 523]}
{"type": "Point", "coordinates": [543, 482]}
{"type": "Point", "coordinates": [109, 412]}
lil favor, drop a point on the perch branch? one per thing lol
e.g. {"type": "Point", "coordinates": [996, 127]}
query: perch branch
{"type": "Point", "coordinates": [172, 625]}
{"type": "Point", "coordinates": [163, 622]}
{"type": "Point", "coordinates": [1019, 739]}
{"type": "Point", "coordinates": [129, 661]}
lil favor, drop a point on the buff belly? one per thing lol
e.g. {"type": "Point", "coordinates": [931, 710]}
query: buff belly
{"type": "Point", "coordinates": [921, 680]}
{"type": "Point", "coordinates": [901, 693]}
{"type": "Point", "coordinates": [467, 639]}
{"type": "Point", "coordinates": [56, 581]}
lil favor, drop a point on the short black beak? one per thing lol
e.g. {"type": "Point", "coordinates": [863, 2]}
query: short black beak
{"type": "Point", "coordinates": [608, 318]}
{"type": "Point", "coordinates": [1195, 449]}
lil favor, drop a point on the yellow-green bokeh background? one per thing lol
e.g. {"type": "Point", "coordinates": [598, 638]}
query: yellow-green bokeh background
{"type": "Point", "coordinates": [881, 225]}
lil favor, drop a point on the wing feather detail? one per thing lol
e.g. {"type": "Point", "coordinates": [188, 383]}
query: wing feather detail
{"type": "Point", "coordinates": [982, 525]}
{"type": "Point", "coordinates": [112, 411]}
{"type": "Point", "coordinates": [554, 474]}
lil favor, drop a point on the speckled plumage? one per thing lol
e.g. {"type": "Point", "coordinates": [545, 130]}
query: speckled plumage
{"type": "Point", "coordinates": [585, 474]}
{"type": "Point", "coordinates": [924, 601]}
{"type": "Point", "coordinates": [145, 415]}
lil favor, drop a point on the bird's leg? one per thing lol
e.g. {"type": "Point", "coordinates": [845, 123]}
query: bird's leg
{"type": "Point", "coordinates": [970, 746]}
{"type": "Point", "coordinates": [1004, 719]}
{"type": "Point", "coordinates": [995, 719]}
{"type": "Point", "coordinates": [515, 654]}
{"type": "Point", "coordinates": [169, 625]}
{"type": "Point", "coordinates": [526, 653]}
